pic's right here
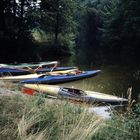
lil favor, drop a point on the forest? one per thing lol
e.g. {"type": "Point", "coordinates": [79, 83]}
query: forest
{"type": "Point", "coordinates": [33, 30]}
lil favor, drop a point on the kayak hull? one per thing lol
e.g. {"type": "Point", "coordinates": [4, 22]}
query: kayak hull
{"type": "Point", "coordinates": [76, 94]}
{"type": "Point", "coordinates": [62, 78]}
{"type": "Point", "coordinates": [35, 75]}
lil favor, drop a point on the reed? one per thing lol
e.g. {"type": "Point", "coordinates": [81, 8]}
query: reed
{"type": "Point", "coordinates": [130, 101]}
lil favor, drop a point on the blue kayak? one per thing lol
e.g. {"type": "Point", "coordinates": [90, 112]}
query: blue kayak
{"type": "Point", "coordinates": [14, 71]}
{"type": "Point", "coordinates": [53, 79]}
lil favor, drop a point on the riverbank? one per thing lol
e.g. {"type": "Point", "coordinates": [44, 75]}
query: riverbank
{"type": "Point", "coordinates": [33, 117]}
{"type": "Point", "coordinates": [27, 117]}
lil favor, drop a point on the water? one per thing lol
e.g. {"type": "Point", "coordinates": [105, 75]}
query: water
{"type": "Point", "coordinates": [114, 79]}
{"type": "Point", "coordinates": [103, 111]}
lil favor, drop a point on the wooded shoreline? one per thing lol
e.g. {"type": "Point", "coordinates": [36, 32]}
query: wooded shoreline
{"type": "Point", "coordinates": [41, 29]}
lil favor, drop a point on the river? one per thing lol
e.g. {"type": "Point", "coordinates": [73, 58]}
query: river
{"type": "Point", "coordinates": [114, 79]}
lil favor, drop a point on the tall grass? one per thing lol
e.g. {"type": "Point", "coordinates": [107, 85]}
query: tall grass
{"type": "Point", "coordinates": [35, 118]}
{"type": "Point", "coordinates": [121, 127]}
{"type": "Point", "coordinates": [24, 117]}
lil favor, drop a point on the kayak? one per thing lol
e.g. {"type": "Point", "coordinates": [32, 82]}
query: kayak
{"type": "Point", "coordinates": [73, 94]}
{"type": "Point", "coordinates": [16, 71]}
{"type": "Point", "coordinates": [26, 68]}
{"type": "Point", "coordinates": [35, 75]}
{"type": "Point", "coordinates": [53, 79]}
{"type": "Point", "coordinates": [31, 65]}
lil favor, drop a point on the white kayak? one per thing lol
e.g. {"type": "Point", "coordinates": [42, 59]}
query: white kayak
{"type": "Point", "coordinates": [31, 65]}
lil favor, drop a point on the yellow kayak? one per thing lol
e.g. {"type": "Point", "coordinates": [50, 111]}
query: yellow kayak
{"type": "Point", "coordinates": [74, 94]}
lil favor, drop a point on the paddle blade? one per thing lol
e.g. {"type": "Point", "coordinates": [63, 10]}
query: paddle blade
{"type": "Point", "coordinates": [28, 91]}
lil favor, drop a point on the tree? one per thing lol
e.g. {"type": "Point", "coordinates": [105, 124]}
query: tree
{"type": "Point", "coordinates": [58, 17]}
{"type": "Point", "coordinates": [121, 32]}
{"type": "Point", "coordinates": [89, 21]}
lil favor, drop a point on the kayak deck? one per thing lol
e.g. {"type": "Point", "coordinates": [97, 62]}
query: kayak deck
{"type": "Point", "coordinates": [53, 79]}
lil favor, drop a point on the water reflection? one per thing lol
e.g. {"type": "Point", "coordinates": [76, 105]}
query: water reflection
{"type": "Point", "coordinates": [102, 111]}
{"type": "Point", "coordinates": [106, 111]}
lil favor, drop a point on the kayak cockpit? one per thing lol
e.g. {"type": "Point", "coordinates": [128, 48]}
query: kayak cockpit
{"type": "Point", "coordinates": [71, 92]}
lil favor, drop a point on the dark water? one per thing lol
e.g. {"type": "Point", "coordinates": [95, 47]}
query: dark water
{"type": "Point", "coordinates": [114, 79]}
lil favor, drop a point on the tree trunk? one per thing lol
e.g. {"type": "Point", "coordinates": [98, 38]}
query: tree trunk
{"type": "Point", "coordinates": [14, 9]}
{"type": "Point", "coordinates": [21, 18]}
{"type": "Point", "coordinates": [56, 28]}
{"type": "Point", "coordinates": [22, 9]}
{"type": "Point", "coordinates": [57, 22]}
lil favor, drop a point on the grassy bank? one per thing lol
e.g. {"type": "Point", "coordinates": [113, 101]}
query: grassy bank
{"type": "Point", "coordinates": [25, 117]}
{"type": "Point", "coordinates": [121, 127]}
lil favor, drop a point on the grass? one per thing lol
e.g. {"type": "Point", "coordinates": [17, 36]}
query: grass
{"type": "Point", "coordinates": [121, 127]}
{"type": "Point", "coordinates": [25, 117]}
{"type": "Point", "coordinates": [124, 126]}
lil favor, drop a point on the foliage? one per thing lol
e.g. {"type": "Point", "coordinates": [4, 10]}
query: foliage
{"type": "Point", "coordinates": [19, 20]}
{"type": "Point", "coordinates": [88, 28]}
{"type": "Point", "coordinates": [121, 127]}
{"type": "Point", "coordinates": [94, 27]}
{"type": "Point", "coordinates": [110, 30]}
{"type": "Point", "coordinates": [121, 32]}
{"type": "Point", "coordinates": [87, 41]}
{"type": "Point", "coordinates": [58, 18]}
